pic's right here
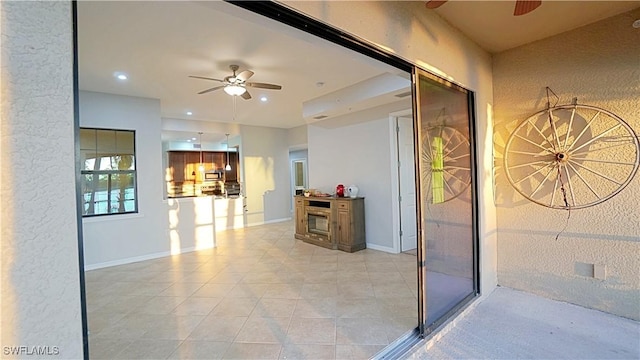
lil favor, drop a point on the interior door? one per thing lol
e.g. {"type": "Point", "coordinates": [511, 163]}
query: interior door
{"type": "Point", "coordinates": [406, 171]}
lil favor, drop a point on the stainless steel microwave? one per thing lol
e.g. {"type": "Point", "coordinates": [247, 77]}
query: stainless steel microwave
{"type": "Point", "coordinates": [212, 176]}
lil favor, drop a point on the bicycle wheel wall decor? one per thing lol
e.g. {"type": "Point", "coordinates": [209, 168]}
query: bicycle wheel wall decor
{"type": "Point", "coordinates": [571, 156]}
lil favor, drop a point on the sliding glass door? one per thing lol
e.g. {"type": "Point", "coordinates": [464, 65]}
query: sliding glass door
{"type": "Point", "coordinates": [446, 191]}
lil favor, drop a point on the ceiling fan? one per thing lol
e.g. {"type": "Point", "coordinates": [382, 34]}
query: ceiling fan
{"type": "Point", "coordinates": [522, 6]}
{"type": "Point", "coordinates": [236, 84]}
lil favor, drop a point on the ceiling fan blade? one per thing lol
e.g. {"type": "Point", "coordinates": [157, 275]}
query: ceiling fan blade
{"type": "Point", "coordinates": [245, 75]}
{"type": "Point", "coordinates": [434, 4]}
{"type": "Point", "coordinates": [525, 6]}
{"type": "Point", "coordinates": [210, 90]}
{"type": "Point", "coordinates": [205, 78]}
{"type": "Point", "coordinates": [264, 86]}
{"type": "Point", "coordinates": [246, 95]}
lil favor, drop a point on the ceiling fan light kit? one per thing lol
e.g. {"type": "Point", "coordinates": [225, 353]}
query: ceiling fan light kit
{"type": "Point", "coordinates": [235, 90]}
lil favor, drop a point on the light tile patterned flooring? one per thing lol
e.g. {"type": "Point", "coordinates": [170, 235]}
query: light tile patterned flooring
{"type": "Point", "coordinates": [260, 294]}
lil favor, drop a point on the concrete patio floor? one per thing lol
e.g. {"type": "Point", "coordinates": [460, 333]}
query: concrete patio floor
{"type": "Point", "coordinates": [511, 324]}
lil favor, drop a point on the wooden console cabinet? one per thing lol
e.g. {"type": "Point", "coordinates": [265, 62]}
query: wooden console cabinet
{"type": "Point", "coordinates": [333, 223]}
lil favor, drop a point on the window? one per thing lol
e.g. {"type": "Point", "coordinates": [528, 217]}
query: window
{"type": "Point", "coordinates": [108, 172]}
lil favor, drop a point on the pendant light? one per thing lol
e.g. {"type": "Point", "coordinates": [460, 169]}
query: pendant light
{"type": "Point", "coordinates": [201, 167]}
{"type": "Point", "coordinates": [228, 167]}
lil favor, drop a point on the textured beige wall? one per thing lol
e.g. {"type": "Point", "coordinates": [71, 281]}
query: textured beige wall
{"type": "Point", "coordinates": [40, 293]}
{"type": "Point", "coordinates": [600, 65]}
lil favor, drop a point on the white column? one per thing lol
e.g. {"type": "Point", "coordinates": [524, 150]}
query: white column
{"type": "Point", "coordinates": [39, 272]}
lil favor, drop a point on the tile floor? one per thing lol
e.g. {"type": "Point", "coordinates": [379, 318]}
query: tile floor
{"type": "Point", "coordinates": [260, 294]}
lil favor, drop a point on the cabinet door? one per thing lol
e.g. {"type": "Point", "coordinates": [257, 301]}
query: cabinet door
{"type": "Point", "coordinates": [232, 175]}
{"type": "Point", "coordinates": [208, 161]}
{"type": "Point", "coordinates": [217, 160]}
{"type": "Point", "coordinates": [301, 226]}
{"type": "Point", "coordinates": [176, 166]}
{"type": "Point", "coordinates": [192, 160]}
{"type": "Point", "coordinates": [344, 227]}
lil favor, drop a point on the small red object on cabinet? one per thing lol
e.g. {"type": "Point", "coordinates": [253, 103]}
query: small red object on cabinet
{"type": "Point", "coordinates": [340, 190]}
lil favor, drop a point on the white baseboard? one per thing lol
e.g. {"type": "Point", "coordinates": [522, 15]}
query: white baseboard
{"type": "Point", "coordinates": [381, 248]}
{"type": "Point", "coordinates": [134, 259]}
{"type": "Point", "coordinates": [268, 222]}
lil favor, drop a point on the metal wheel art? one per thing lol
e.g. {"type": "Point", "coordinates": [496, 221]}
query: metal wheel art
{"type": "Point", "coordinates": [571, 156]}
{"type": "Point", "coordinates": [445, 154]}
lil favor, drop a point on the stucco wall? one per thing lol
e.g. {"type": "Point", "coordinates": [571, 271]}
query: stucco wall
{"type": "Point", "coordinates": [600, 65]}
{"type": "Point", "coordinates": [40, 293]}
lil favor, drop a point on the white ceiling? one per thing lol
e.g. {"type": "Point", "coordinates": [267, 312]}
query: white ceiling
{"type": "Point", "coordinates": [159, 44]}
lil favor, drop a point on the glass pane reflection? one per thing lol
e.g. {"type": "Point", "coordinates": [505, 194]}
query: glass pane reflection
{"type": "Point", "coordinates": [445, 165]}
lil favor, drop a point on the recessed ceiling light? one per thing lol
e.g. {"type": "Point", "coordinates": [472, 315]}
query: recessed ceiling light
{"type": "Point", "coordinates": [189, 113]}
{"type": "Point", "coordinates": [636, 24]}
{"type": "Point", "coordinates": [194, 139]}
{"type": "Point", "coordinates": [188, 140]}
{"type": "Point", "coordinates": [263, 99]}
{"type": "Point", "coordinates": [120, 75]}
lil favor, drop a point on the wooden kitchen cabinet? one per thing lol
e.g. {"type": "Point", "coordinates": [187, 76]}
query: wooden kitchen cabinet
{"type": "Point", "coordinates": [176, 163]}
{"type": "Point", "coordinates": [184, 177]}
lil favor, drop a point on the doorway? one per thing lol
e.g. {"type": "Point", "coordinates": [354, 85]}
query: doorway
{"type": "Point", "coordinates": [406, 184]}
{"type": "Point", "coordinates": [189, 293]}
{"type": "Point", "coordinates": [384, 285]}
{"type": "Point", "coordinates": [299, 173]}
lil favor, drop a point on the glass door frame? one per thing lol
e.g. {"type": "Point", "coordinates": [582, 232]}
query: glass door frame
{"type": "Point", "coordinates": [424, 328]}
{"type": "Point", "coordinates": [294, 18]}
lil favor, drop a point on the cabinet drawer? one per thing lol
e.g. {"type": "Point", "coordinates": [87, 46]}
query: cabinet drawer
{"type": "Point", "coordinates": [343, 205]}
{"type": "Point", "coordinates": [299, 201]}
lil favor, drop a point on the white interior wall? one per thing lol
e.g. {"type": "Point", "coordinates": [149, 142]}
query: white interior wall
{"type": "Point", "coordinates": [423, 38]}
{"type": "Point", "coordinates": [265, 172]}
{"type": "Point", "coordinates": [357, 155]}
{"type": "Point", "coordinates": [114, 238]}
{"type": "Point", "coordinates": [299, 154]}
{"type": "Point", "coordinates": [600, 65]}
{"type": "Point", "coordinates": [297, 137]}
{"type": "Point", "coordinates": [39, 268]}
{"type": "Point", "coordinates": [164, 227]}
